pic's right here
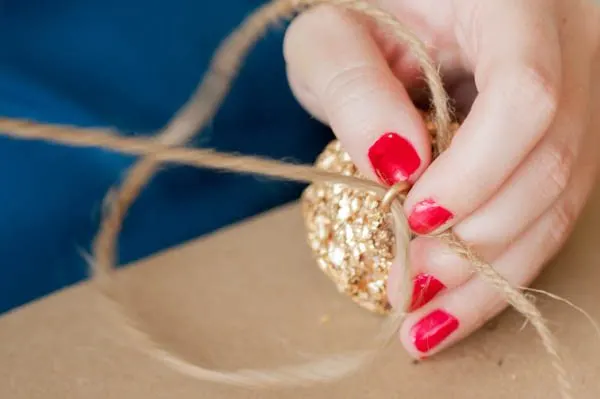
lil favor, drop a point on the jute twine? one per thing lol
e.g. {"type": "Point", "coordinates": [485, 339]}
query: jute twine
{"type": "Point", "coordinates": [189, 121]}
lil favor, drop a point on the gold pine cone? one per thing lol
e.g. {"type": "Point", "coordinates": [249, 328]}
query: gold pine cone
{"type": "Point", "coordinates": [351, 238]}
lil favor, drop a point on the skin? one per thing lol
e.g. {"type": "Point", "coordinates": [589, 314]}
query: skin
{"type": "Point", "coordinates": [523, 163]}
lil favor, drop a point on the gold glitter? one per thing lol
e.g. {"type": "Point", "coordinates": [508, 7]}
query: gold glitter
{"type": "Point", "coordinates": [351, 238]}
{"type": "Point", "coordinates": [336, 255]}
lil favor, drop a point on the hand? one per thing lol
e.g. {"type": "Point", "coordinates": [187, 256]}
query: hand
{"type": "Point", "coordinates": [521, 166]}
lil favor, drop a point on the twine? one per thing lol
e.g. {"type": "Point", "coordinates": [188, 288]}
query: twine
{"type": "Point", "coordinates": [199, 110]}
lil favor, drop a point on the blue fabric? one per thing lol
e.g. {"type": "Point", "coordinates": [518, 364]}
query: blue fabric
{"type": "Point", "coordinates": [129, 64]}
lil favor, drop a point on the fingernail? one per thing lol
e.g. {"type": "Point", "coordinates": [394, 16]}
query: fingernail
{"type": "Point", "coordinates": [431, 330]}
{"type": "Point", "coordinates": [393, 158]}
{"type": "Point", "coordinates": [427, 216]}
{"type": "Point", "coordinates": [425, 288]}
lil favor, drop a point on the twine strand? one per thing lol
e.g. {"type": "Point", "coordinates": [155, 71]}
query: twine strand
{"type": "Point", "coordinates": [190, 120]}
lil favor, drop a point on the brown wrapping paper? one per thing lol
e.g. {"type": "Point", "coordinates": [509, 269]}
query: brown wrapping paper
{"type": "Point", "coordinates": [251, 296]}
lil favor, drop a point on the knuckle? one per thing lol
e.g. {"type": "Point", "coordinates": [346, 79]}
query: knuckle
{"type": "Point", "coordinates": [361, 77]}
{"type": "Point", "coordinates": [564, 216]}
{"type": "Point", "coordinates": [556, 164]}
{"type": "Point", "coordinates": [354, 83]}
{"type": "Point", "coordinates": [543, 90]}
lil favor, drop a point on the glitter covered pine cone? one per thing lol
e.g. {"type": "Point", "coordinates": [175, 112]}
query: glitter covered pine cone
{"type": "Point", "coordinates": [351, 238]}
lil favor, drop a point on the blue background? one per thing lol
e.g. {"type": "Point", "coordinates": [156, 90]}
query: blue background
{"type": "Point", "coordinates": [129, 64]}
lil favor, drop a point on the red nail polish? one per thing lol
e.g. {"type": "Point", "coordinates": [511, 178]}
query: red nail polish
{"type": "Point", "coordinates": [393, 158]}
{"type": "Point", "coordinates": [427, 216]}
{"type": "Point", "coordinates": [431, 330]}
{"type": "Point", "coordinates": [425, 288]}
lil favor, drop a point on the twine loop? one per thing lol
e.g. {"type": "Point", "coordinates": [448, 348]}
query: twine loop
{"type": "Point", "coordinates": [397, 191]}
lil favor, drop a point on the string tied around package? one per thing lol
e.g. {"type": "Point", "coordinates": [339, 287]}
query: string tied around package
{"type": "Point", "coordinates": [169, 146]}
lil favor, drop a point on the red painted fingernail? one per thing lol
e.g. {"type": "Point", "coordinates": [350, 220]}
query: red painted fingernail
{"type": "Point", "coordinates": [427, 216]}
{"type": "Point", "coordinates": [425, 288]}
{"type": "Point", "coordinates": [393, 158]}
{"type": "Point", "coordinates": [431, 330]}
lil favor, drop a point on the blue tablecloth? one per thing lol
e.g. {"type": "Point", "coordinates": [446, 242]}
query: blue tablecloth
{"type": "Point", "coordinates": [129, 64]}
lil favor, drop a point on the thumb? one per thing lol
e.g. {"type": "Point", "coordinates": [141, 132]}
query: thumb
{"type": "Point", "coordinates": [339, 73]}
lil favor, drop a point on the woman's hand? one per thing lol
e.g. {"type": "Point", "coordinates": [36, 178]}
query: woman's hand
{"type": "Point", "coordinates": [521, 166]}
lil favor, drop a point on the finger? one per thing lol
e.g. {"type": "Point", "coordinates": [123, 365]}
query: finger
{"type": "Point", "coordinates": [523, 198]}
{"type": "Point", "coordinates": [527, 194]}
{"type": "Point", "coordinates": [305, 97]}
{"type": "Point", "coordinates": [492, 228]}
{"type": "Point", "coordinates": [518, 76]}
{"type": "Point", "coordinates": [457, 313]}
{"type": "Point", "coordinates": [337, 61]}
{"type": "Point", "coordinates": [534, 187]}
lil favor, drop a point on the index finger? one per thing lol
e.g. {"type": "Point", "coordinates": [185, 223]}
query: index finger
{"type": "Point", "coordinates": [339, 62]}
